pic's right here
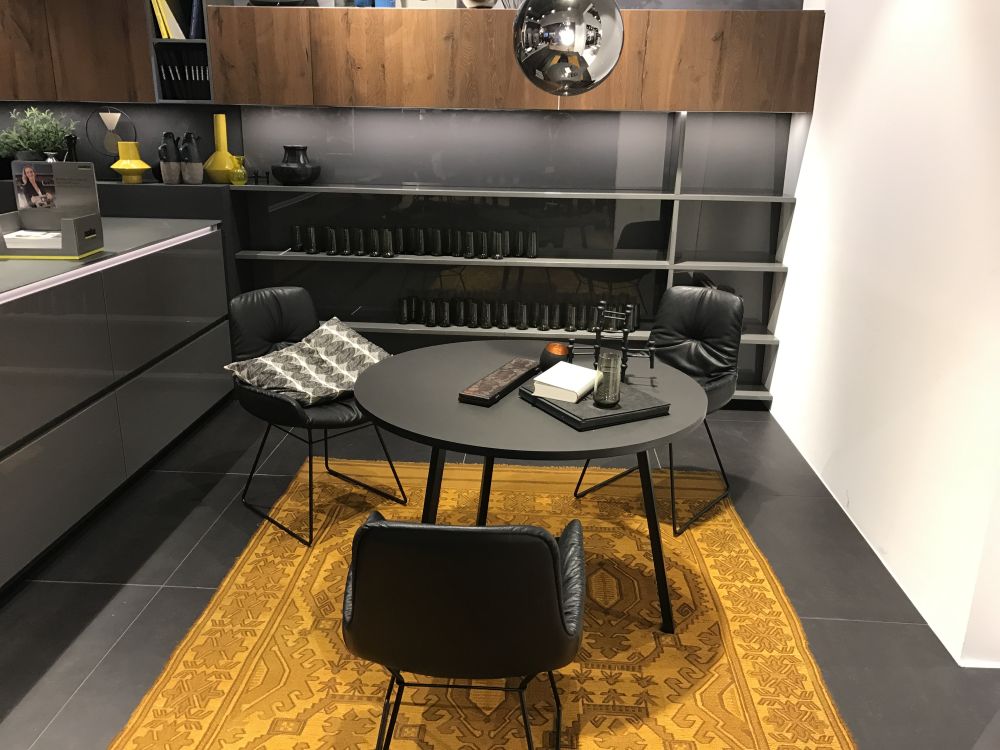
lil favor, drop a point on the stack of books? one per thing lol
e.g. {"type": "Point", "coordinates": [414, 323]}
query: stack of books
{"type": "Point", "coordinates": [179, 19]}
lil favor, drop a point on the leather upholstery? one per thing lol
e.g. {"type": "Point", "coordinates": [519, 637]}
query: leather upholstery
{"type": "Point", "coordinates": [266, 320]}
{"type": "Point", "coordinates": [465, 602]}
{"type": "Point", "coordinates": [697, 330]}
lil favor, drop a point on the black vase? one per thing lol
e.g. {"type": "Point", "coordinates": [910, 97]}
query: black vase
{"type": "Point", "coordinates": [295, 168]}
{"type": "Point", "coordinates": [71, 141]}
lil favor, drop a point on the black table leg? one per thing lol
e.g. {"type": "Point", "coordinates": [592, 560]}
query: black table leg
{"type": "Point", "coordinates": [655, 543]}
{"type": "Point", "coordinates": [484, 491]}
{"type": "Point", "coordinates": [433, 493]}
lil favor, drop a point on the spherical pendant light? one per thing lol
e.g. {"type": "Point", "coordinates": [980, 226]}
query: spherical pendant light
{"type": "Point", "coordinates": [567, 47]}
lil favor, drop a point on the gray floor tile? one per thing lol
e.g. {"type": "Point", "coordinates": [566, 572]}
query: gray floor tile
{"type": "Point", "coordinates": [224, 441]}
{"type": "Point", "coordinates": [822, 560]}
{"type": "Point", "coordinates": [214, 555]}
{"type": "Point", "coordinates": [105, 701]}
{"type": "Point", "coordinates": [144, 533]}
{"type": "Point", "coordinates": [757, 454]}
{"type": "Point", "coordinates": [54, 634]}
{"type": "Point", "coordinates": [898, 689]}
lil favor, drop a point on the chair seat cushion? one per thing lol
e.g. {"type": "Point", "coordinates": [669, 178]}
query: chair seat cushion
{"type": "Point", "coordinates": [320, 368]}
{"type": "Point", "coordinates": [719, 390]}
{"type": "Point", "coordinates": [343, 412]}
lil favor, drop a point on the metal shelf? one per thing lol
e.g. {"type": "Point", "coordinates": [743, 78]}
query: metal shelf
{"type": "Point", "coordinates": [493, 333]}
{"type": "Point", "coordinates": [451, 260]}
{"type": "Point", "coordinates": [752, 393]}
{"type": "Point", "coordinates": [728, 265]}
{"type": "Point", "coordinates": [513, 192]}
{"type": "Point", "coordinates": [418, 329]}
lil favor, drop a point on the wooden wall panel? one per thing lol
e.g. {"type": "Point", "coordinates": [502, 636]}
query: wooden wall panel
{"type": "Point", "coordinates": [25, 58]}
{"type": "Point", "coordinates": [100, 50]}
{"type": "Point", "coordinates": [260, 55]}
{"type": "Point", "coordinates": [745, 61]}
{"type": "Point", "coordinates": [717, 61]}
{"type": "Point", "coordinates": [419, 58]}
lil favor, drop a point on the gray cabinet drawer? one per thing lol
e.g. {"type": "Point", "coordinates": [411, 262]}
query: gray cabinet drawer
{"type": "Point", "coordinates": [156, 302]}
{"type": "Point", "coordinates": [162, 402]}
{"type": "Point", "coordinates": [54, 354]}
{"type": "Point", "coordinates": [52, 482]}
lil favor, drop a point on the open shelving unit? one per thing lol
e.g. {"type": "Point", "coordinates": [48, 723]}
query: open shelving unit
{"type": "Point", "coordinates": [675, 261]}
{"type": "Point", "coordinates": [181, 67]}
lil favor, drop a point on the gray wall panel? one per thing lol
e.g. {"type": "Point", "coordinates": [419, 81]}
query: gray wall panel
{"type": "Point", "coordinates": [52, 482]}
{"type": "Point", "coordinates": [155, 303]}
{"type": "Point", "coordinates": [54, 354]}
{"type": "Point", "coordinates": [159, 404]}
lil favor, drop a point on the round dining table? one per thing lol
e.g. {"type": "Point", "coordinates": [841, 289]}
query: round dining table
{"type": "Point", "coordinates": [415, 395]}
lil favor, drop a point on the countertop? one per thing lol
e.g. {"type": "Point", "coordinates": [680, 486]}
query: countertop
{"type": "Point", "coordinates": [124, 239]}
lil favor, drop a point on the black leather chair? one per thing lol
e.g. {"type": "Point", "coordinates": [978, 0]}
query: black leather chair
{"type": "Point", "coordinates": [697, 330]}
{"type": "Point", "coordinates": [477, 603]}
{"type": "Point", "coordinates": [264, 321]}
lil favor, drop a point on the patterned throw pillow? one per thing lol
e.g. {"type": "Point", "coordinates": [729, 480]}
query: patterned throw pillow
{"type": "Point", "coordinates": [321, 367]}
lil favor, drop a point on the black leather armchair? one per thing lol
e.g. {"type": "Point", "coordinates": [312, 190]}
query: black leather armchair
{"type": "Point", "coordinates": [697, 331]}
{"type": "Point", "coordinates": [480, 602]}
{"type": "Point", "coordinates": [264, 321]}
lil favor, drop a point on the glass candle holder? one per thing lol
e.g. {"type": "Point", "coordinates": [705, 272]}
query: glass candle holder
{"type": "Point", "coordinates": [608, 391]}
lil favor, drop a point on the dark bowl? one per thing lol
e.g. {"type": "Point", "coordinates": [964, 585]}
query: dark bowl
{"type": "Point", "coordinates": [295, 174]}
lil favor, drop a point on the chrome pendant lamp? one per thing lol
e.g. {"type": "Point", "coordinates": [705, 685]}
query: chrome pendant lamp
{"type": "Point", "coordinates": [568, 47]}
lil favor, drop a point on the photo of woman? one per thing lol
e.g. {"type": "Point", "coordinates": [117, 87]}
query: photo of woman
{"type": "Point", "coordinates": [35, 190]}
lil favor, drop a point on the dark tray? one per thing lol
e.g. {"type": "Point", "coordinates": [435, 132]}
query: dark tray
{"type": "Point", "coordinates": [635, 404]}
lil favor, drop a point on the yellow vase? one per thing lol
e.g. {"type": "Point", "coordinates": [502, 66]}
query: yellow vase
{"type": "Point", "coordinates": [130, 164]}
{"type": "Point", "coordinates": [221, 164]}
{"type": "Point", "coordinates": [239, 175]}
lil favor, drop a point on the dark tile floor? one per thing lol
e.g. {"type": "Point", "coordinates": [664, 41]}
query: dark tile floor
{"type": "Point", "coordinates": [88, 630]}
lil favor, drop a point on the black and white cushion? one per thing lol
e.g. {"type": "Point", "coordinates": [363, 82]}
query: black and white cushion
{"type": "Point", "coordinates": [321, 367]}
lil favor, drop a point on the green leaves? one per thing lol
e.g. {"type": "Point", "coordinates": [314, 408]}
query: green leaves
{"type": "Point", "coordinates": [35, 130]}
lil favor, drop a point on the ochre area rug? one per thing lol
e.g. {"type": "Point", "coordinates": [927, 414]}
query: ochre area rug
{"type": "Point", "coordinates": [265, 667]}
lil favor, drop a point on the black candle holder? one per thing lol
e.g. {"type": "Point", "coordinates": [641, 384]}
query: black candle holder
{"type": "Point", "coordinates": [387, 244]}
{"type": "Point", "coordinates": [543, 321]}
{"type": "Point", "coordinates": [343, 241]}
{"type": "Point", "coordinates": [497, 245]}
{"type": "Point", "coordinates": [373, 249]}
{"type": "Point", "coordinates": [358, 242]}
{"type": "Point", "coordinates": [435, 242]}
{"type": "Point", "coordinates": [459, 310]}
{"type": "Point", "coordinates": [455, 243]}
{"type": "Point", "coordinates": [297, 245]}
{"type": "Point", "coordinates": [518, 249]}
{"type": "Point", "coordinates": [399, 241]}
{"type": "Point", "coordinates": [472, 314]}
{"type": "Point", "coordinates": [503, 315]}
{"type": "Point", "coordinates": [331, 240]}
{"type": "Point", "coordinates": [532, 249]}
{"type": "Point", "coordinates": [310, 246]}
{"type": "Point", "coordinates": [444, 313]}
{"type": "Point", "coordinates": [522, 317]}
{"type": "Point", "coordinates": [482, 245]}
{"type": "Point", "coordinates": [570, 317]}
{"type": "Point", "coordinates": [430, 313]}
{"type": "Point", "coordinates": [485, 314]}
{"type": "Point", "coordinates": [404, 310]}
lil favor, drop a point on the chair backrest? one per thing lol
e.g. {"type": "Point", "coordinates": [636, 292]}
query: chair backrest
{"type": "Point", "coordinates": [457, 601]}
{"type": "Point", "coordinates": [265, 320]}
{"type": "Point", "coordinates": [697, 330]}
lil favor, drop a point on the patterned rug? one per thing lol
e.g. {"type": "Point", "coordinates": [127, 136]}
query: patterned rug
{"type": "Point", "coordinates": [265, 667]}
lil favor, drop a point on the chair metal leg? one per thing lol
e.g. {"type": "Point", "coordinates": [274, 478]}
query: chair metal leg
{"type": "Point", "coordinates": [307, 541]}
{"type": "Point", "coordinates": [385, 713]}
{"type": "Point", "coordinates": [395, 710]}
{"type": "Point", "coordinates": [681, 528]}
{"type": "Point", "coordinates": [357, 482]}
{"type": "Point", "coordinates": [577, 493]}
{"type": "Point", "coordinates": [557, 726]}
{"type": "Point", "coordinates": [524, 710]}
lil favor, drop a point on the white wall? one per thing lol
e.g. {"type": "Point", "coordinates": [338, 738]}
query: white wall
{"type": "Point", "coordinates": [888, 373]}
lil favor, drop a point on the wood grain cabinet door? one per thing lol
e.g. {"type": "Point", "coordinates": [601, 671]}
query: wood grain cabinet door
{"type": "Point", "coordinates": [100, 50]}
{"type": "Point", "coordinates": [428, 58]}
{"type": "Point", "coordinates": [260, 55]}
{"type": "Point", "coordinates": [25, 59]}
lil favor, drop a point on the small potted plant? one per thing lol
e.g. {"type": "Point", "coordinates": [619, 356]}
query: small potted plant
{"type": "Point", "coordinates": [34, 132]}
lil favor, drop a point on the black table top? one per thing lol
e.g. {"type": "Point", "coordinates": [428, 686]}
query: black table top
{"type": "Point", "coordinates": [415, 394]}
